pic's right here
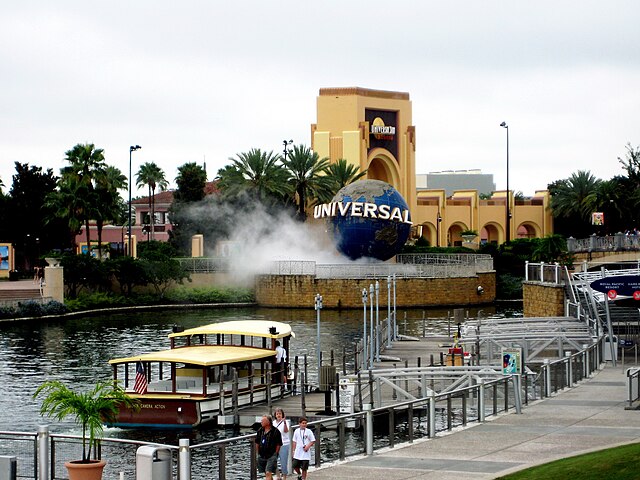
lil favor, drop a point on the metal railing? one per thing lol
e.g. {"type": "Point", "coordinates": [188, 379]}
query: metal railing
{"type": "Point", "coordinates": [481, 262]}
{"type": "Point", "coordinates": [204, 265]}
{"type": "Point", "coordinates": [633, 385]}
{"type": "Point", "coordinates": [619, 241]}
{"type": "Point", "coordinates": [552, 273]}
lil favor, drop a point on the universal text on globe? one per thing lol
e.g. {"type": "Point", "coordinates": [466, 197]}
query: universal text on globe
{"type": "Point", "coordinates": [362, 209]}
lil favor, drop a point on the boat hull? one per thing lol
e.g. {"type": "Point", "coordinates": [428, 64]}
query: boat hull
{"type": "Point", "coordinates": [161, 413]}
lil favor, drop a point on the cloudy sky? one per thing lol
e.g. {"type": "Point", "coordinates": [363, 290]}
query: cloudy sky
{"type": "Point", "coordinates": [204, 80]}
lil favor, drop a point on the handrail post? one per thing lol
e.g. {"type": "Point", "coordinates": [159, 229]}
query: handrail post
{"type": "Point", "coordinates": [547, 377]}
{"type": "Point", "coordinates": [184, 460]}
{"type": "Point", "coordinates": [432, 414]}
{"type": "Point", "coordinates": [526, 271]}
{"type": "Point", "coordinates": [481, 400]}
{"type": "Point", "coordinates": [43, 452]}
{"type": "Point", "coordinates": [567, 356]}
{"type": "Point", "coordinates": [368, 429]}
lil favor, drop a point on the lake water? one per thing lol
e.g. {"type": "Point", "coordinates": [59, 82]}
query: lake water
{"type": "Point", "coordinates": [76, 351]}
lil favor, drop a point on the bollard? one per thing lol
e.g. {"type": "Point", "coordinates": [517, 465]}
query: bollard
{"type": "Point", "coordinates": [517, 393]}
{"type": "Point", "coordinates": [368, 429]}
{"type": "Point", "coordinates": [43, 452]}
{"type": "Point", "coordinates": [567, 355]}
{"type": "Point", "coordinates": [184, 460]}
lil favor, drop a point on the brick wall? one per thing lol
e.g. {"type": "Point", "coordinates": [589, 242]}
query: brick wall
{"type": "Point", "coordinates": [300, 290]}
{"type": "Point", "coordinates": [542, 299]}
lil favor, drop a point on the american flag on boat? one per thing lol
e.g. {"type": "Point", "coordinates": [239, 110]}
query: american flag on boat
{"type": "Point", "coordinates": [141, 379]}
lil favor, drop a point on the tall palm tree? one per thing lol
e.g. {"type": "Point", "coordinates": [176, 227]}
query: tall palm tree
{"type": "Point", "coordinates": [575, 197]}
{"type": "Point", "coordinates": [68, 202]}
{"type": "Point", "coordinates": [108, 182]}
{"type": "Point", "coordinates": [307, 176]}
{"type": "Point", "coordinates": [152, 175]}
{"type": "Point", "coordinates": [86, 161]}
{"type": "Point", "coordinates": [255, 172]}
{"type": "Point", "coordinates": [341, 173]}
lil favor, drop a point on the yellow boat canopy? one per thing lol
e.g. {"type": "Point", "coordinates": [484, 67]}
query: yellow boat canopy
{"type": "Point", "coordinates": [252, 328]}
{"type": "Point", "coordinates": [206, 355]}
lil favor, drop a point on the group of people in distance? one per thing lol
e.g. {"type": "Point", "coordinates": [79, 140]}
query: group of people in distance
{"type": "Point", "coordinates": [272, 443]}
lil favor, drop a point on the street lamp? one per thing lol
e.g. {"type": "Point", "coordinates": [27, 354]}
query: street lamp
{"type": "Point", "coordinates": [508, 223]}
{"type": "Point", "coordinates": [365, 356]}
{"type": "Point", "coordinates": [131, 150]}
{"type": "Point", "coordinates": [318, 307]}
{"type": "Point", "coordinates": [438, 220]}
{"type": "Point", "coordinates": [286, 151]}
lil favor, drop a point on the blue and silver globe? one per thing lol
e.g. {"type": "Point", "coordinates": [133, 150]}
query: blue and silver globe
{"type": "Point", "coordinates": [373, 221]}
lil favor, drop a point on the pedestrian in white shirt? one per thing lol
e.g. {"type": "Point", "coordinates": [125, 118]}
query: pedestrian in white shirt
{"type": "Point", "coordinates": [282, 424]}
{"type": "Point", "coordinates": [303, 440]}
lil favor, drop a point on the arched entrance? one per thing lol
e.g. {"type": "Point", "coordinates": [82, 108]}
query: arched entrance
{"type": "Point", "coordinates": [491, 233]}
{"type": "Point", "coordinates": [429, 233]}
{"type": "Point", "coordinates": [454, 239]}
{"type": "Point", "coordinates": [382, 166]}
{"type": "Point", "coordinates": [528, 230]}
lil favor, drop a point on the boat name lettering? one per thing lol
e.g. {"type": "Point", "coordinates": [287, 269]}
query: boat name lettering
{"type": "Point", "coordinates": [156, 406]}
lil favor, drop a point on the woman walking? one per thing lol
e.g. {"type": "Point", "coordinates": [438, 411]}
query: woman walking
{"type": "Point", "coordinates": [283, 425]}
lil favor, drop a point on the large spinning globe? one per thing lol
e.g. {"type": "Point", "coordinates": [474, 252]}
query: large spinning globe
{"type": "Point", "coordinates": [365, 230]}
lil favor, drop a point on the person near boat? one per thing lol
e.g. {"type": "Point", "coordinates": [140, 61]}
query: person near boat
{"type": "Point", "coordinates": [268, 443]}
{"type": "Point", "coordinates": [303, 440]}
{"type": "Point", "coordinates": [283, 424]}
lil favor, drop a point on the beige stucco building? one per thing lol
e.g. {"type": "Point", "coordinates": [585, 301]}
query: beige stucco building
{"type": "Point", "coordinates": [373, 129]}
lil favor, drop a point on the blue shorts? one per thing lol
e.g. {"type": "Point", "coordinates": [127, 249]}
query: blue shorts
{"type": "Point", "coordinates": [268, 464]}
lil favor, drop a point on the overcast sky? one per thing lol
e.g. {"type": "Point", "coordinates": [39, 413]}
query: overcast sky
{"type": "Point", "coordinates": [197, 80]}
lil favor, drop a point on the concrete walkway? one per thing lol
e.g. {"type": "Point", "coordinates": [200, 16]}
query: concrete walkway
{"type": "Point", "coordinates": [588, 417]}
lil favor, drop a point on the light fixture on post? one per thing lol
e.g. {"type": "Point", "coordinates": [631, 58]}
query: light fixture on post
{"type": "Point", "coordinates": [132, 149]}
{"type": "Point", "coordinates": [508, 213]}
{"type": "Point", "coordinates": [438, 221]}
{"type": "Point", "coordinates": [286, 150]}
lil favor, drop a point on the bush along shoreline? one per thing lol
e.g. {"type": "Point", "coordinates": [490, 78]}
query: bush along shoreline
{"type": "Point", "coordinates": [179, 297]}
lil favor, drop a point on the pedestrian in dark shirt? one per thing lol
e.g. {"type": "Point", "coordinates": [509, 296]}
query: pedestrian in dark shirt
{"type": "Point", "coordinates": [268, 443]}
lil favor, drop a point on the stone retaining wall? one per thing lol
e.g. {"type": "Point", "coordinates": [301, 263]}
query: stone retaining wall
{"type": "Point", "coordinates": [300, 290]}
{"type": "Point", "coordinates": [542, 299]}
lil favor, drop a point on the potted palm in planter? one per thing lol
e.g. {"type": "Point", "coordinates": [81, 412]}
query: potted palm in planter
{"type": "Point", "coordinates": [468, 235]}
{"type": "Point", "coordinates": [88, 409]}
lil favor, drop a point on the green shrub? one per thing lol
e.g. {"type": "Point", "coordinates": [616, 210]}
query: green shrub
{"type": "Point", "coordinates": [508, 287]}
{"type": "Point", "coordinates": [54, 308]}
{"type": "Point", "coordinates": [29, 309]}
{"type": "Point", "coordinates": [89, 301]}
{"type": "Point", "coordinates": [7, 312]}
{"type": "Point", "coordinates": [209, 295]}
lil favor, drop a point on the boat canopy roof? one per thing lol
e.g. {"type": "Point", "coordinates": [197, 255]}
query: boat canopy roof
{"type": "Point", "coordinates": [252, 328]}
{"type": "Point", "coordinates": [205, 355]}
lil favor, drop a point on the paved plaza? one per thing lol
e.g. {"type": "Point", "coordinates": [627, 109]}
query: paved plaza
{"type": "Point", "coordinates": [590, 416]}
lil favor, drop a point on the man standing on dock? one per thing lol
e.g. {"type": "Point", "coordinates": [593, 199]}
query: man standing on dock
{"type": "Point", "coordinates": [268, 443]}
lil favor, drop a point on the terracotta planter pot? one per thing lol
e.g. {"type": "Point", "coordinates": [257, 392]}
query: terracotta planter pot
{"type": "Point", "coordinates": [85, 471]}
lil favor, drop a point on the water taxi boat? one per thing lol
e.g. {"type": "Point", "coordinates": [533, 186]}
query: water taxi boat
{"type": "Point", "coordinates": [205, 375]}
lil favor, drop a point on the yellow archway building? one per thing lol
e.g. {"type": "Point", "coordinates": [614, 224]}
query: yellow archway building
{"type": "Point", "coordinates": [373, 130]}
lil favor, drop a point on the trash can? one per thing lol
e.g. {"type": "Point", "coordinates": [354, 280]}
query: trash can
{"type": "Point", "coordinates": [607, 348]}
{"type": "Point", "coordinates": [153, 463]}
{"type": "Point", "coordinates": [8, 468]}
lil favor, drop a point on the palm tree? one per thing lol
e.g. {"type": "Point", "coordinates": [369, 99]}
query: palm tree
{"type": "Point", "coordinates": [68, 202]}
{"type": "Point", "coordinates": [108, 182]}
{"type": "Point", "coordinates": [574, 199]}
{"type": "Point", "coordinates": [307, 176]}
{"type": "Point", "coordinates": [151, 175]}
{"type": "Point", "coordinates": [341, 173]}
{"type": "Point", "coordinates": [255, 172]}
{"type": "Point", "coordinates": [86, 162]}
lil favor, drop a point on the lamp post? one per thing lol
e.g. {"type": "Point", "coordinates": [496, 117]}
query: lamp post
{"type": "Point", "coordinates": [131, 150]}
{"type": "Point", "coordinates": [438, 220]}
{"type": "Point", "coordinates": [318, 307]}
{"type": "Point", "coordinates": [508, 222]}
{"type": "Point", "coordinates": [377, 321]}
{"type": "Point", "coordinates": [371, 347]}
{"type": "Point", "coordinates": [286, 150]}
{"type": "Point", "coordinates": [365, 357]}
{"type": "Point", "coordinates": [388, 311]}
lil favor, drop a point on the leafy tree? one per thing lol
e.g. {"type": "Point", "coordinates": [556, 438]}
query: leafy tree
{"type": "Point", "coordinates": [155, 250]}
{"type": "Point", "coordinates": [307, 177]}
{"type": "Point", "coordinates": [552, 248]}
{"type": "Point", "coordinates": [68, 203]}
{"type": "Point", "coordinates": [129, 272]}
{"type": "Point", "coordinates": [163, 273]}
{"type": "Point", "coordinates": [84, 272]}
{"type": "Point", "coordinates": [26, 222]}
{"type": "Point", "coordinates": [631, 164]}
{"type": "Point", "coordinates": [191, 181]}
{"type": "Point", "coordinates": [151, 174]}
